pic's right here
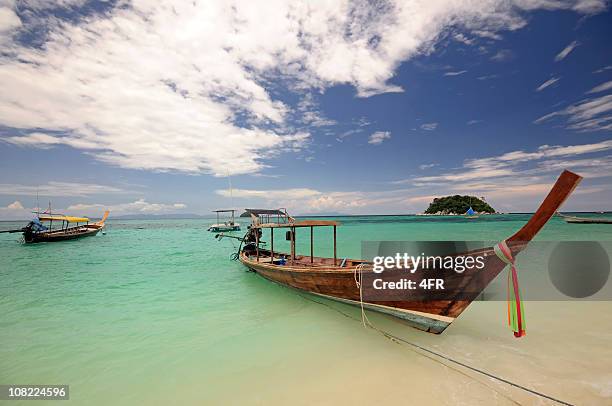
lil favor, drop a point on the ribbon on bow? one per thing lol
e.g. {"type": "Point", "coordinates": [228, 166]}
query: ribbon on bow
{"type": "Point", "coordinates": [516, 313]}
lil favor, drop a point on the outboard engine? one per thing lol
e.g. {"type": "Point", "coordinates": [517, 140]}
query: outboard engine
{"type": "Point", "coordinates": [250, 239]}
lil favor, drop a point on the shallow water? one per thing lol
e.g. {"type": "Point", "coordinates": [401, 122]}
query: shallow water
{"type": "Point", "coordinates": [155, 312]}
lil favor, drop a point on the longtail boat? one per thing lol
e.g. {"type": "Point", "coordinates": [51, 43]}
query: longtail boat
{"type": "Point", "coordinates": [36, 230]}
{"type": "Point", "coordinates": [585, 220]}
{"type": "Point", "coordinates": [337, 280]}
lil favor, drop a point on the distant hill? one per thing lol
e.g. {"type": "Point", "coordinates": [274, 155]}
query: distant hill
{"type": "Point", "coordinates": [458, 205]}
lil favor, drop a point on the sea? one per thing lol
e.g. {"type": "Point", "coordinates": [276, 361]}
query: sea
{"type": "Point", "coordinates": [155, 312]}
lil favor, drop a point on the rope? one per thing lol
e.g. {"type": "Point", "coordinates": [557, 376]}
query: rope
{"type": "Point", "coordinates": [366, 323]}
{"type": "Point", "coordinates": [359, 270]}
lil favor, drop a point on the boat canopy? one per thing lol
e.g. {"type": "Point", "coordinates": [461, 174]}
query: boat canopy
{"type": "Point", "coordinates": [297, 224]}
{"type": "Point", "coordinates": [59, 217]}
{"type": "Point", "coordinates": [268, 212]}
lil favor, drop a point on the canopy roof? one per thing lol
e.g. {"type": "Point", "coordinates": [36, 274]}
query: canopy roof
{"type": "Point", "coordinates": [224, 211]}
{"type": "Point", "coordinates": [61, 217]}
{"type": "Point", "coordinates": [297, 224]}
{"type": "Point", "coordinates": [269, 212]}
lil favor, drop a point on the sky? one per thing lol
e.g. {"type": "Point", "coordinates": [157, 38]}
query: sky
{"type": "Point", "coordinates": [155, 107]}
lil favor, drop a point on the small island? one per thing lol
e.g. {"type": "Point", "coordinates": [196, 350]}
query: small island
{"type": "Point", "coordinates": [458, 205]}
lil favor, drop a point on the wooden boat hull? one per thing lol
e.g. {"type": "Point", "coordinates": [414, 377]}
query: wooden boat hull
{"type": "Point", "coordinates": [61, 235]}
{"type": "Point", "coordinates": [432, 313]}
{"type": "Point", "coordinates": [339, 284]}
{"type": "Point", "coordinates": [222, 228]}
{"type": "Point", "coordinates": [584, 220]}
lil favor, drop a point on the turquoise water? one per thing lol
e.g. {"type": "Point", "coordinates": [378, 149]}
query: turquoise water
{"type": "Point", "coordinates": [155, 312]}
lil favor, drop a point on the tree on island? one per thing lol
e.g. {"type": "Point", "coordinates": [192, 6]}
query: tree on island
{"type": "Point", "coordinates": [458, 205]}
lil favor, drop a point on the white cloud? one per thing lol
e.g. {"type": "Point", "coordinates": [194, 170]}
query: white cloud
{"type": "Point", "coordinates": [310, 114]}
{"type": "Point", "coordinates": [429, 126]}
{"type": "Point", "coordinates": [581, 6]}
{"type": "Point", "coordinates": [515, 180]}
{"type": "Point", "coordinates": [594, 114]}
{"type": "Point", "coordinates": [601, 70]}
{"type": "Point", "coordinates": [503, 55]}
{"type": "Point", "coordinates": [549, 82]}
{"type": "Point", "coordinates": [16, 205]}
{"type": "Point", "coordinates": [455, 73]}
{"type": "Point", "coordinates": [487, 34]}
{"type": "Point", "coordinates": [506, 165]}
{"type": "Point", "coordinates": [378, 137]}
{"type": "Point", "coordinates": [57, 189]}
{"type": "Point", "coordinates": [463, 39]}
{"type": "Point", "coordinates": [270, 194]}
{"type": "Point", "coordinates": [488, 77]}
{"type": "Point", "coordinates": [566, 51]}
{"type": "Point", "coordinates": [518, 180]}
{"type": "Point", "coordinates": [601, 88]}
{"type": "Point", "coordinates": [304, 200]}
{"type": "Point", "coordinates": [9, 21]}
{"type": "Point", "coordinates": [14, 211]}
{"type": "Point", "coordinates": [472, 122]}
{"type": "Point", "coordinates": [186, 86]}
{"type": "Point", "coordinates": [140, 206]}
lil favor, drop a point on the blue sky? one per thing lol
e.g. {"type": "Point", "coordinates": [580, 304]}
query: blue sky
{"type": "Point", "coordinates": [356, 107]}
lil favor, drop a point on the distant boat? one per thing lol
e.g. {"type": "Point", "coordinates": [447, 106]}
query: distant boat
{"type": "Point", "coordinates": [36, 230]}
{"type": "Point", "coordinates": [585, 220]}
{"type": "Point", "coordinates": [228, 225]}
{"type": "Point", "coordinates": [471, 214]}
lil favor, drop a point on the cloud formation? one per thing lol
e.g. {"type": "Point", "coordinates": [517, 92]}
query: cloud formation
{"type": "Point", "coordinates": [429, 126]}
{"type": "Point", "coordinates": [16, 205]}
{"type": "Point", "coordinates": [601, 88]}
{"type": "Point", "coordinates": [546, 84]}
{"type": "Point", "coordinates": [140, 206]}
{"type": "Point", "coordinates": [455, 73]}
{"type": "Point", "coordinates": [566, 51]}
{"type": "Point", "coordinates": [187, 86]}
{"type": "Point", "coordinates": [593, 114]}
{"type": "Point", "coordinates": [503, 55]}
{"type": "Point", "coordinates": [378, 137]}
{"type": "Point", "coordinates": [512, 181]}
{"type": "Point", "coordinates": [14, 210]}
{"type": "Point", "coordinates": [509, 165]}
{"type": "Point", "coordinates": [57, 189]}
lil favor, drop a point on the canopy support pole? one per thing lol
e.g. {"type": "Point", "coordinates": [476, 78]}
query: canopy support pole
{"type": "Point", "coordinates": [311, 249]}
{"type": "Point", "coordinates": [272, 245]}
{"type": "Point", "coordinates": [257, 243]}
{"type": "Point", "coordinates": [335, 254]}
{"type": "Point", "coordinates": [292, 244]}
